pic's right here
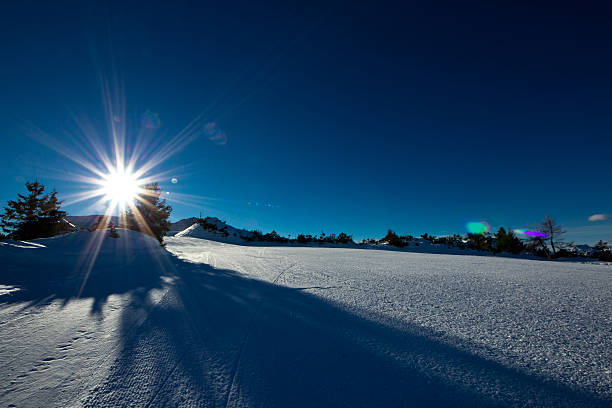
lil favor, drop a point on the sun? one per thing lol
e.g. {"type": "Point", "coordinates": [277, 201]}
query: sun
{"type": "Point", "coordinates": [120, 187]}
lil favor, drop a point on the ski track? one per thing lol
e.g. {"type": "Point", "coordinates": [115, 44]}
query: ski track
{"type": "Point", "coordinates": [252, 324]}
{"type": "Point", "coordinates": [239, 326]}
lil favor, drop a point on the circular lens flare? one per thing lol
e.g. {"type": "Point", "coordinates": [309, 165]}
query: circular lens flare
{"type": "Point", "coordinates": [480, 227]}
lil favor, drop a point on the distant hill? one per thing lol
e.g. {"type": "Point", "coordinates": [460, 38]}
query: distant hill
{"type": "Point", "coordinates": [179, 226]}
{"type": "Point", "coordinates": [86, 221]}
{"type": "Point", "coordinates": [212, 228]}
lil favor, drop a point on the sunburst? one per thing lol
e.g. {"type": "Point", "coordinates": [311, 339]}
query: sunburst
{"type": "Point", "coordinates": [120, 188]}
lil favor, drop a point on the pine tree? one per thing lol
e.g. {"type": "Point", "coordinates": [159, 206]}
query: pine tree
{"type": "Point", "coordinates": [480, 242]}
{"type": "Point", "coordinates": [515, 245]}
{"type": "Point", "coordinates": [151, 213]}
{"type": "Point", "coordinates": [35, 215]}
{"type": "Point", "coordinates": [343, 238]}
{"type": "Point", "coordinates": [392, 239]}
{"type": "Point", "coordinates": [601, 246]}
{"type": "Point", "coordinates": [508, 242]}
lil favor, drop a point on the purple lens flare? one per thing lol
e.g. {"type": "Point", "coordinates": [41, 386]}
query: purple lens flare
{"type": "Point", "coordinates": [532, 233]}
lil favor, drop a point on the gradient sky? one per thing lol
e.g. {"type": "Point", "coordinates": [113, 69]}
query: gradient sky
{"type": "Point", "coordinates": [346, 117]}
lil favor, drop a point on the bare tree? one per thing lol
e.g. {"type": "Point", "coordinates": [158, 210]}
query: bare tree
{"type": "Point", "coordinates": [553, 233]}
{"type": "Point", "coordinates": [535, 243]}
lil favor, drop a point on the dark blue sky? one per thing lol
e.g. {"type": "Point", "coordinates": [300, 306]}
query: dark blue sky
{"type": "Point", "coordinates": [344, 117]}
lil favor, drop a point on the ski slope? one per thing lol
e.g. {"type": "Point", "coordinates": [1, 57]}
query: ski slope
{"type": "Point", "coordinates": [203, 323]}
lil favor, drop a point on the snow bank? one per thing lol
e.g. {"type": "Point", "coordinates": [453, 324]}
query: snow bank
{"type": "Point", "coordinates": [80, 264]}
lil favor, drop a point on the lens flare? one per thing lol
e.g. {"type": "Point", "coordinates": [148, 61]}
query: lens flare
{"type": "Point", "coordinates": [479, 227]}
{"type": "Point", "coordinates": [118, 162]}
{"type": "Point", "coordinates": [174, 180]}
{"type": "Point", "coordinates": [150, 120]}
{"type": "Point", "coordinates": [215, 134]}
{"type": "Point", "coordinates": [532, 233]}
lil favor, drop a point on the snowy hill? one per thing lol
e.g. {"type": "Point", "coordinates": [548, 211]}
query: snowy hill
{"type": "Point", "coordinates": [55, 265]}
{"type": "Point", "coordinates": [88, 320]}
{"type": "Point", "coordinates": [181, 225]}
{"type": "Point", "coordinates": [196, 231]}
{"type": "Point", "coordinates": [215, 230]}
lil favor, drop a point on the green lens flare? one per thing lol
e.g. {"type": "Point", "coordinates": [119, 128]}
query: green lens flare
{"type": "Point", "coordinates": [477, 227]}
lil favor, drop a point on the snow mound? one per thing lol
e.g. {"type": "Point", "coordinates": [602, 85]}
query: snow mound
{"type": "Point", "coordinates": [216, 230]}
{"type": "Point", "coordinates": [128, 242]}
{"type": "Point", "coordinates": [179, 226]}
{"type": "Point", "coordinates": [60, 265]}
{"type": "Point", "coordinates": [195, 231]}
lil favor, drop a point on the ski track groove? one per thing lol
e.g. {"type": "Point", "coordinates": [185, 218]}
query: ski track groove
{"type": "Point", "coordinates": [165, 380]}
{"type": "Point", "coordinates": [246, 338]}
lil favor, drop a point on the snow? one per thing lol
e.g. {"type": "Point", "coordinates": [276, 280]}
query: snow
{"type": "Point", "coordinates": [181, 225]}
{"type": "Point", "coordinates": [196, 231]}
{"type": "Point", "coordinates": [205, 323]}
{"type": "Point", "coordinates": [221, 232]}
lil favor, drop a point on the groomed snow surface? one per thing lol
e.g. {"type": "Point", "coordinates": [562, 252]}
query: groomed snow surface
{"type": "Point", "coordinates": [203, 323]}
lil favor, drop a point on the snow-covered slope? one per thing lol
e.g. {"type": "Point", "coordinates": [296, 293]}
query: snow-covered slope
{"type": "Point", "coordinates": [181, 225]}
{"type": "Point", "coordinates": [196, 231]}
{"type": "Point", "coordinates": [62, 311]}
{"type": "Point", "coordinates": [479, 330]}
{"type": "Point", "coordinates": [203, 323]}
{"type": "Point", "coordinates": [217, 231]}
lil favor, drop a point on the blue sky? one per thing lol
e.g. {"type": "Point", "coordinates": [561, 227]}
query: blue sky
{"type": "Point", "coordinates": [344, 117]}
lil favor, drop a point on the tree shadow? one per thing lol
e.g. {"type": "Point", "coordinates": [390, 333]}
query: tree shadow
{"type": "Point", "coordinates": [214, 337]}
{"type": "Point", "coordinates": [47, 270]}
{"type": "Point", "coordinates": [217, 338]}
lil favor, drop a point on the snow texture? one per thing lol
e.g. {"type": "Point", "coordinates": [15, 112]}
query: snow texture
{"type": "Point", "coordinates": [204, 323]}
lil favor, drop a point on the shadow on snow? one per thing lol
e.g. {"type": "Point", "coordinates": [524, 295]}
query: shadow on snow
{"type": "Point", "coordinates": [217, 338]}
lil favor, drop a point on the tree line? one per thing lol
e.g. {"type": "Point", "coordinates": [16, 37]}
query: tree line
{"type": "Point", "coordinates": [257, 236]}
{"type": "Point", "coordinates": [37, 214]}
{"type": "Point", "coordinates": [548, 242]}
